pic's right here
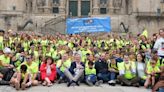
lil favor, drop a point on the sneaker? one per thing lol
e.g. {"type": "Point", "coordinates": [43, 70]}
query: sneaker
{"type": "Point", "coordinates": [109, 82]}
{"type": "Point", "coordinates": [89, 83]}
{"type": "Point", "coordinates": [112, 82]}
{"type": "Point", "coordinates": [98, 83]}
{"type": "Point", "coordinates": [69, 84]}
{"type": "Point", "coordinates": [77, 83]}
{"type": "Point", "coordinates": [60, 80]}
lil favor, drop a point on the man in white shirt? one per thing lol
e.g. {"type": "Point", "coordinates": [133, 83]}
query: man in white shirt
{"type": "Point", "coordinates": [159, 44]}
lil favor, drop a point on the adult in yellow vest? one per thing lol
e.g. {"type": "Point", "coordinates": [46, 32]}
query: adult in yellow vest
{"type": "Point", "coordinates": [127, 73]}
{"type": "Point", "coordinates": [6, 69]}
{"type": "Point", "coordinates": [32, 69]}
{"type": "Point", "coordinates": [62, 65]}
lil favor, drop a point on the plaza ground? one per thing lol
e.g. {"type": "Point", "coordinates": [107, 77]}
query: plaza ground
{"type": "Point", "coordinates": [81, 88]}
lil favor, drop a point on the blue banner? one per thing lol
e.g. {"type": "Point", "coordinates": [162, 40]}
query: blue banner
{"type": "Point", "coordinates": [96, 24]}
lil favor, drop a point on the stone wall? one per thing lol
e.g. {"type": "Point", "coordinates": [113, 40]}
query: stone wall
{"type": "Point", "coordinates": [146, 5]}
{"type": "Point", "coordinates": [8, 5]}
{"type": "Point", "coordinates": [125, 13]}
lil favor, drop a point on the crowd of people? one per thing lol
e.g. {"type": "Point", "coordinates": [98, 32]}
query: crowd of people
{"type": "Point", "coordinates": [28, 60]}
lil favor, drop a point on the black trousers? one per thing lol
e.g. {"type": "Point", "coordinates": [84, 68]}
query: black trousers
{"type": "Point", "coordinates": [7, 73]}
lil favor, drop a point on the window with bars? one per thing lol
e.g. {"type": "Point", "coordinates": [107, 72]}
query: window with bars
{"type": "Point", "coordinates": [55, 10]}
{"type": "Point", "coordinates": [103, 11]}
{"type": "Point", "coordinates": [103, 6]}
{"type": "Point", "coordinates": [85, 8]}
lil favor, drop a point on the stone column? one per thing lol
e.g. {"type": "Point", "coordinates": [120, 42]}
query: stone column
{"type": "Point", "coordinates": [62, 7]}
{"type": "Point", "coordinates": [28, 7]}
{"type": "Point", "coordinates": [79, 8]}
{"type": "Point", "coordinates": [111, 8]}
{"type": "Point", "coordinates": [67, 8]}
{"type": "Point", "coordinates": [47, 2]}
{"type": "Point", "coordinates": [47, 7]}
{"type": "Point", "coordinates": [34, 6]}
{"type": "Point", "coordinates": [95, 7]}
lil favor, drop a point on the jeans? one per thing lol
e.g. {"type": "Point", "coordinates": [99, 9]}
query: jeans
{"type": "Point", "coordinates": [112, 75]}
{"type": "Point", "coordinates": [161, 90]}
{"type": "Point", "coordinates": [91, 78]}
{"type": "Point", "coordinates": [61, 74]}
{"type": "Point", "coordinates": [103, 76]}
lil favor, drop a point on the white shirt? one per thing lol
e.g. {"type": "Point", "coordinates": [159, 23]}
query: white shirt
{"type": "Point", "coordinates": [159, 45]}
{"type": "Point", "coordinates": [141, 69]}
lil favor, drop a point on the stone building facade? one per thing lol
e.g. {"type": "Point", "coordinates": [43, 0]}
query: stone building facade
{"type": "Point", "coordinates": [41, 15]}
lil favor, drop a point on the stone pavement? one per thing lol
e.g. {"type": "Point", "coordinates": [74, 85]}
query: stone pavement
{"type": "Point", "coordinates": [81, 88]}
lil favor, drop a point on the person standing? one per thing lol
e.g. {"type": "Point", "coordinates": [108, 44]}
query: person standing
{"type": "Point", "coordinates": [159, 44]}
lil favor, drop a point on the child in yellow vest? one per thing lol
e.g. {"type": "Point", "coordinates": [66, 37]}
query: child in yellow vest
{"type": "Point", "coordinates": [152, 71]}
{"type": "Point", "coordinates": [19, 78]}
{"type": "Point", "coordinates": [90, 75]}
{"type": "Point", "coordinates": [113, 69]}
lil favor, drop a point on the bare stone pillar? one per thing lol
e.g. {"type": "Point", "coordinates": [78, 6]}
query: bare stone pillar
{"type": "Point", "coordinates": [62, 7]}
{"type": "Point", "coordinates": [79, 8]}
{"type": "Point", "coordinates": [111, 8]}
{"type": "Point", "coordinates": [95, 7]}
{"type": "Point", "coordinates": [47, 2]}
{"type": "Point", "coordinates": [28, 7]}
{"type": "Point", "coordinates": [47, 7]}
{"type": "Point", "coordinates": [34, 6]}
